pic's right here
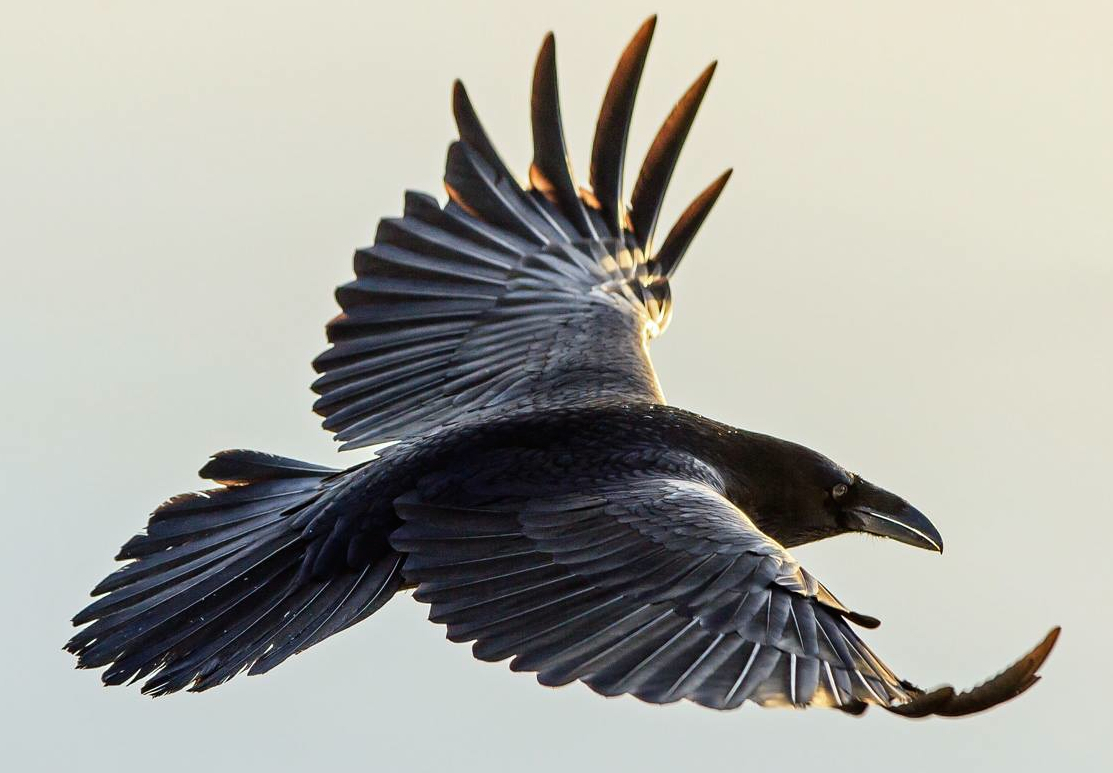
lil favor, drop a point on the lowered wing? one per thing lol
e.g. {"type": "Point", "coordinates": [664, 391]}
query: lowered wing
{"type": "Point", "coordinates": [512, 298]}
{"type": "Point", "coordinates": [655, 586]}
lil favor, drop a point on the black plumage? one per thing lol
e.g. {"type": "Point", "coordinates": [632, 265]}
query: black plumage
{"type": "Point", "coordinates": [542, 498]}
{"type": "Point", "coordinates": [550, 174]}
{"type": "Point", "coordinates": [608, 152]}
{"type": "Point", "coordinates": [660, 161]}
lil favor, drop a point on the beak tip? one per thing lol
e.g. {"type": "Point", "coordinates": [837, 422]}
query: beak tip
{"type": "Point", "coordinates": [933, 535]}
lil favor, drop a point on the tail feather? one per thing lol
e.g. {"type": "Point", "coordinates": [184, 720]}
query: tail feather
{"type": "Point", "coordinates": [239, 467]}
{"type": "Point", "coordinates": [217, 584]}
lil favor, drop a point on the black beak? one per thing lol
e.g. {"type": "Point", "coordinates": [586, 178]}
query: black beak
{"type": "Point", "coordinates": [875, 511]}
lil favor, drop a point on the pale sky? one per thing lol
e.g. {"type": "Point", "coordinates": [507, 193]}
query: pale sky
{"type": "Point", "coordinates": [911, 271]}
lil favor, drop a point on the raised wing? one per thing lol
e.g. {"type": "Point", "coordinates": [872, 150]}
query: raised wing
{"type": "Point", "coordinates": [512, 298]}
{"type": "Point", "coordinates": [659, 588]}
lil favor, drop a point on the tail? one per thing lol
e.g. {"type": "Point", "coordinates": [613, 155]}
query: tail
{"type": "Point", "coordinates": [233, 578]}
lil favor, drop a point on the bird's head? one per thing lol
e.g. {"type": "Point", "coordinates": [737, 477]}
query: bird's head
{"type": "Point", "coordinates": [797, 495]}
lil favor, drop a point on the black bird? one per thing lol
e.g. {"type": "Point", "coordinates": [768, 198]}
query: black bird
{"type": "Point", "coordinates": [542, 497]}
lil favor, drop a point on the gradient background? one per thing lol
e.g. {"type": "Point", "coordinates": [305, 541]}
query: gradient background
{"type": "Point", "coordinates": [911, 271]}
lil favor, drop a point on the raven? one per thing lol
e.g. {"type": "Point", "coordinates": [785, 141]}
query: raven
{"type": "Point", "coordinates": [539, 495]}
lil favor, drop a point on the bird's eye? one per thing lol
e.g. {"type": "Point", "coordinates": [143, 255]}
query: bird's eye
{"type": "Point", "coordinates": [839, 490]}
